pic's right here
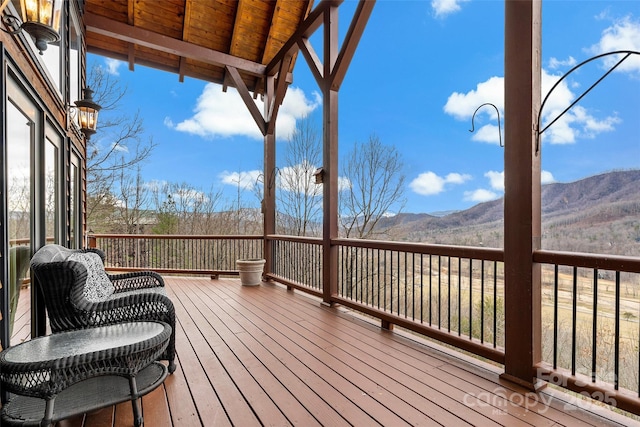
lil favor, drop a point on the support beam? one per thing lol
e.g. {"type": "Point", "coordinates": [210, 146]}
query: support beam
{"type": "Point", "coordinates": [358, 24]}
{"type": "Point", "coordinates": [248, 100]}
{"type": "Point", "coordinates": [281, 89]}
{"type": "Point", "coordinates": [120, 31]}
{"type": "Point", "coordinates": [330, 157]}
{"type": "Point", "coordinates": [306, 29]}
{"type": "Point", "coordinates": [269, 192]}
{"type": "Point", "coordinates": [522, 224]}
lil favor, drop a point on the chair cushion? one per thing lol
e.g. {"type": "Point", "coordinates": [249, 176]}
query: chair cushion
{"type": "Point", "coordinates": [98, 286]}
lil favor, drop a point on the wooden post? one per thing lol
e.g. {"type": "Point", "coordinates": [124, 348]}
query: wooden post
{"type": "Point", "coordinates": [330, 158]}
{"type": "Point", "coordinates": [269, 184]}
{"type": "Point", "coordinates": [522, 191]}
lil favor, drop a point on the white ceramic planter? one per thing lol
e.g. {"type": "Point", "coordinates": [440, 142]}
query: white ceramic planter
{"type": "Point", "coordinates": [250, 271]}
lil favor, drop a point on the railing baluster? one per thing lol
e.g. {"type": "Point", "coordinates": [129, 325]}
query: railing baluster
{"type": "Point", "coordinates": [482, 301]}
{"type": "Point", "coordinates": [430, 290]}
{"type": "Point", "coordinates": [574, 315]}
{"type": "Point", "coordinates": [459, 296]}
{"type": "Point", "coordinates": [439, 291]}
{"type": "Point", "coordinates": [616, 360]}
{"type": "Point", "coordinates": [594, 335]}
{"type": "Point", "coordinates": [495, 304]}
{"type": "Point", "coordinates": [555, 317]}
{"type": "Point", "coordinates": [449, 294]}
{"type": "Point", "coordinates": [470, 298]}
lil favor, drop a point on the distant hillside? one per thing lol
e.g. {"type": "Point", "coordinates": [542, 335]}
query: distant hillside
{"type": "Point", "coordinates": [599, 214]}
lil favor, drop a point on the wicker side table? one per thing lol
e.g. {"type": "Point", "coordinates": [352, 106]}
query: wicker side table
{"type": "Point", "coordinates": [69, 373]}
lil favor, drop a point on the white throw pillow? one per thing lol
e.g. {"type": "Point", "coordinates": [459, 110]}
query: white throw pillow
{"type": "Point", "coordinates": [98, 286]}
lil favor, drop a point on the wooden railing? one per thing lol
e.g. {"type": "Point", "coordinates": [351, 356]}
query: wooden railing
{"type": "Point", "coordinates": [184, 254]}
{"type": "Point", "coordinates": [590, 324]}
{"type": "Point", "coordinates": [590, 304]}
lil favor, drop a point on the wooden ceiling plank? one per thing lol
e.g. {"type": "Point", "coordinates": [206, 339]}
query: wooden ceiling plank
{"type": "Point", "coordinates": [272, 28]}
{"type": "Point", "coordinates": [305, 30]}
{"type": "Point", "coordinates": [131, 12]}
{"type": "Point", "coordinates": [121, 31]}
{"type": "Point", "coordinates": [234, 41]}
{"type": "Point", "coordinates": [246, 97]}
{"type": "Point", "coordinates": [350, 43]}
{"type": "Point", "coordinates": [186, 28]}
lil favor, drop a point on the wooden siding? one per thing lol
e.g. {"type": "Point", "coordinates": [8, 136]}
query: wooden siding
{"type": "Point", "coordinates": [263, 355]}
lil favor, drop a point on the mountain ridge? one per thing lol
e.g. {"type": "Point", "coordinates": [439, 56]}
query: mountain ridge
{"type": "Point", "coordinates": [601, 208]}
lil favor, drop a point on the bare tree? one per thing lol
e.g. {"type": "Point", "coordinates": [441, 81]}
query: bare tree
{"type": "Point", "coordinates": [133, 197]}
{"type": "Point", "coordinates": [299, 197]}
{"type": "Point", "coordinates": [184, 209]}
{"type": "Point", "coordinates": [117, 147]}
{"type": "Point", "coordinates": [374, 189]}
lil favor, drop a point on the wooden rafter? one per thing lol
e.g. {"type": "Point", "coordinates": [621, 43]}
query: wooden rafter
{"type": "Point", "coordinates": [246, 97]}
{"type": "Point", "coordinates": [351, 40]}
{"type": "Point", "coordinates": [186, 27]}
{"type": "Point", "coordinates": [305, 30]}
{"type": "Point", "coordinates": [121, 31]}
{"type": "Point", "coordinates": [280, 91]}
{"type": "Point", "coordinates": [131, 48]}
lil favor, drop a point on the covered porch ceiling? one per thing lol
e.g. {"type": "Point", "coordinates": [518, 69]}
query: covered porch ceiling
{"type": "Point", "coordinates": [196, 38]}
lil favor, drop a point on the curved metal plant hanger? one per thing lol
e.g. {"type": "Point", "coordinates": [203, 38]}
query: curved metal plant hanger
{"type": "Point", "coordinates": [499, 127]}
{"type": "Point", "coordinates": [627, 54]}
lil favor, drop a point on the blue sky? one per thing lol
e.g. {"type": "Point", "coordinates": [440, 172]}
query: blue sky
{"type": "Point", "coordinates": [422, 68]}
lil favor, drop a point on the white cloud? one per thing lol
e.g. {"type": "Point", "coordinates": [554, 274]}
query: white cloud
{"type": "Point", "coordinates": [457, 178]}
{"type": "Point", "coordinates": [557, 63]}
{"type": "Point", "coordinates": [220, 114]}
{"type": "Point", "coordinates": [577, 123]}
{"type": "Point", "coordinates": [463, 105]}
{"type": "Point", "coordinates": [480, 195]}
{"type": "Point", "coordinates": [299, 179]}
{"type": "Point", "coordinates": [442, 8]}
{"type": "Point", "coordinates": [496, 180]}
{"type": "Point", "coordinates": [546, 177]}
{"type": "Point", "coordinates": [189, 197]}
{"type": "Point", "coordinates": [623, 34]}
{"type": "Point", "coordinates": [487, 133]}
{"type": "Point", "coordinates": [343, 183]}
{"type": "Point", "coordinates": [247, 180]}
{"type": "Point", "coordinates": [428, 183]}
{"type": "Point", "coordinates": [112, 66]}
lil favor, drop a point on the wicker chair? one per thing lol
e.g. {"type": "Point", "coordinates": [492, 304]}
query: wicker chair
{"type": "Point", "coordinates": [78, 293]}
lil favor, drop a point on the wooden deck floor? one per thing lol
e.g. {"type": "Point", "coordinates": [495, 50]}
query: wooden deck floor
{"type": "Point", "coordinates": [256, 356]}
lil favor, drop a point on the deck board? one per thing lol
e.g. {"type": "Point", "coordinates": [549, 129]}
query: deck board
{"type": "Point", "coordinates": [254, 356]}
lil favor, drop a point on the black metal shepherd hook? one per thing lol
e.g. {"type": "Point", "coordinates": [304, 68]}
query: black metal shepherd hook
{"type": "Point", "coordinates": [499, 126]}
{"type": "Point", "coordinates": [617, 52]}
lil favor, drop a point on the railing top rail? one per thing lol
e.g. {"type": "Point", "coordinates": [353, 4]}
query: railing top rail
{"type": "Point", "coordinates": [290, 238]}
{"type": "Point", "coordinates": [586, 260]}
{"type": "Point", "coordinates": [178, 236]}
{"type": "Point", "coordinates": [488, 254]}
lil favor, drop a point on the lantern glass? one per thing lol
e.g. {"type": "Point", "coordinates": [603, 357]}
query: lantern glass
{"type": "Point", "coordinates": [87, 118]}
{"type": "Point", "coordinates": [45, 12]}
{"type": "Point", "coordinates": [87, 113]}
{"type": "Point", "coordinates": [41, 19]}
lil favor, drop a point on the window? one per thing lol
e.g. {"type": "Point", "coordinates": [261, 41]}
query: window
{"type": "Point", "coordinates": [75, 44]}
{"type": "Point", "coordinates": [74, 200]}
{"type": "Point", "coordinates": [52, 185]}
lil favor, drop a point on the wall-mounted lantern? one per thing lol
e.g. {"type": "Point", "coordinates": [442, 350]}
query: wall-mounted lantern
{"type": "Point", "coordinates": [87, 115]}
{"type": "Point", "coordinates": [40, 19]}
